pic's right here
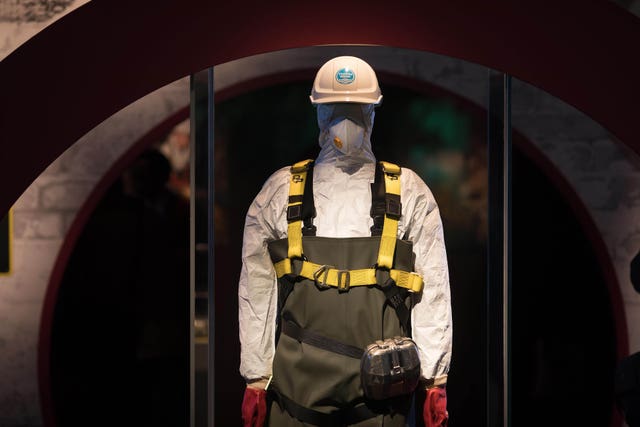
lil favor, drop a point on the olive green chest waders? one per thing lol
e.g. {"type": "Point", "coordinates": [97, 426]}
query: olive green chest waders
{"type": "Point", "coordinates": [336, 296]}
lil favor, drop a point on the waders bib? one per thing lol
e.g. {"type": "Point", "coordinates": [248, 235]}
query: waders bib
{"type": "Point", "coordinates": [336, 296]}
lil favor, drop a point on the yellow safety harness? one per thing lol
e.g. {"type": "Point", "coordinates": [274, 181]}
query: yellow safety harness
{"type": "Point", "coordinates": [325, 275]}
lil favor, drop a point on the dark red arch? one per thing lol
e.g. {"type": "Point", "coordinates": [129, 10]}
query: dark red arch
{"type": "Point", "coordinates": [106, 54]}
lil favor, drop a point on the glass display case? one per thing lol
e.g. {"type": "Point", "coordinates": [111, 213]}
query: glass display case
{"type": "Point", "coordinates": [446, 119]}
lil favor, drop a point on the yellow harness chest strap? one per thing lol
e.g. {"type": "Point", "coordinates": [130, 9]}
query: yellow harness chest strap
{"type": "Point", "coordinates": [344, 279]}
{"type": "Point", "coordinates": [294, 208]}
{"type": "Point", "coordinates": [392, 215]}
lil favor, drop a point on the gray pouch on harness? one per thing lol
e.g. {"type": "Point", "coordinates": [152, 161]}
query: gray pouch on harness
{"type": "Point", "coordinates": [390, 368]}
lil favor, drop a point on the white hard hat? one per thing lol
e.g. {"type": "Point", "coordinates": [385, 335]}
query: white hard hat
{"type": "Point", "coordinates": [346, 79]}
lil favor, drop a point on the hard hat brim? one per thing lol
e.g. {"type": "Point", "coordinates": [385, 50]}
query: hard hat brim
{"type": "Point", "coordinates": [345, 98]}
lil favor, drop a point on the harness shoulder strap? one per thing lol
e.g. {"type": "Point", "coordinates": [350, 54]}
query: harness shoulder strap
{"type": "Point", "coordinates": [300, 208]}
{"type": "Point", "coordinates": [386, 202]}
{"type": "Point", "coordinates": [297, 184]}
{"type": "Point", "coordinates": [392, 214]}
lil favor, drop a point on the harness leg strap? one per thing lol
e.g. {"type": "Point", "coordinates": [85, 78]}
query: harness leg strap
{"type": "Point", "coordinates": [339, 417]}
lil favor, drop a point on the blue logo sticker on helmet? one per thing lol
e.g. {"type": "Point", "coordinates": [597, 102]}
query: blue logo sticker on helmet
{"type": "Point", "coordinates": [345, 76]}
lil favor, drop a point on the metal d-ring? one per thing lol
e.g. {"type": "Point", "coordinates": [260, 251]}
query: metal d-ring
{"type": "Point", "coordinates": [323, 271]}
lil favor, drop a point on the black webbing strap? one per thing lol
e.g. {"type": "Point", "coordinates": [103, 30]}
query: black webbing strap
{"type": "Point", "coordinates": [378, 201]}
{"type": "Point", "coordinates": [339, 417]}
{"type": "Point", "coordinates": [306, 336]}
{"type": "Point", "coordinates": [308, 206]}
{"type": "Point", "coordinates": [395, 298]}
{"type": "Point", "coordinates": [387, 204]}
{"type": "Point", "coordinates": [285, 287]}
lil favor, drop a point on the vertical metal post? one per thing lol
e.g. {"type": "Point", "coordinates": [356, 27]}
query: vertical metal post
{"type": "Point", "coordinates": [498, 300]}
{"type": "Point", "coordinates": [202, 246]}
{"type": "Point", "coordinates": [192, 251]}
{"type": "Point", "coordinates": [210, 250]}
{"type": "Point", "coordinates": [508, 258]}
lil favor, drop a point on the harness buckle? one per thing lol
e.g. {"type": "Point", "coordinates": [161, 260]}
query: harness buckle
{"type": "Point", "coordinates": [393, 207]}
{"type": "Point", "coordinates": [296, 266]}
{"type": "Point", "coordinates": [294, 213]}
{"type": "Point", "coordinates": [343, 286]}
{"type": "Point", "coordinates": [323, 271]}
{"type": "Point", "coordinates": [383, 277]}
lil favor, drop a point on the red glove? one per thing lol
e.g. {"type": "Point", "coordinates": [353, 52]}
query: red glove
{"type": "Point", "coordinates": [435, 408]}
{"type": "Point", "coordinates": [254, 407]}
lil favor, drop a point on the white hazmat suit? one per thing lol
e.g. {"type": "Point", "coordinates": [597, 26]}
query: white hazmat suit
{"type": "Point", "coordinates": [342, 196]}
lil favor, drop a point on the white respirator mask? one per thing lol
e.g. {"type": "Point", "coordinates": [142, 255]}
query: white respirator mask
{"type": "Point", "coordinates": [346, 136]}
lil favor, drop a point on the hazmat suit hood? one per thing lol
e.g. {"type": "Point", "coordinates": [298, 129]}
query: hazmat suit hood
{"type": "Point", "coordinates": [345, 134]}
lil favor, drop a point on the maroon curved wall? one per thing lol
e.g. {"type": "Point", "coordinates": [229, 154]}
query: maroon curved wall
{"type": "Point", "coordinates": [103, 56]}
